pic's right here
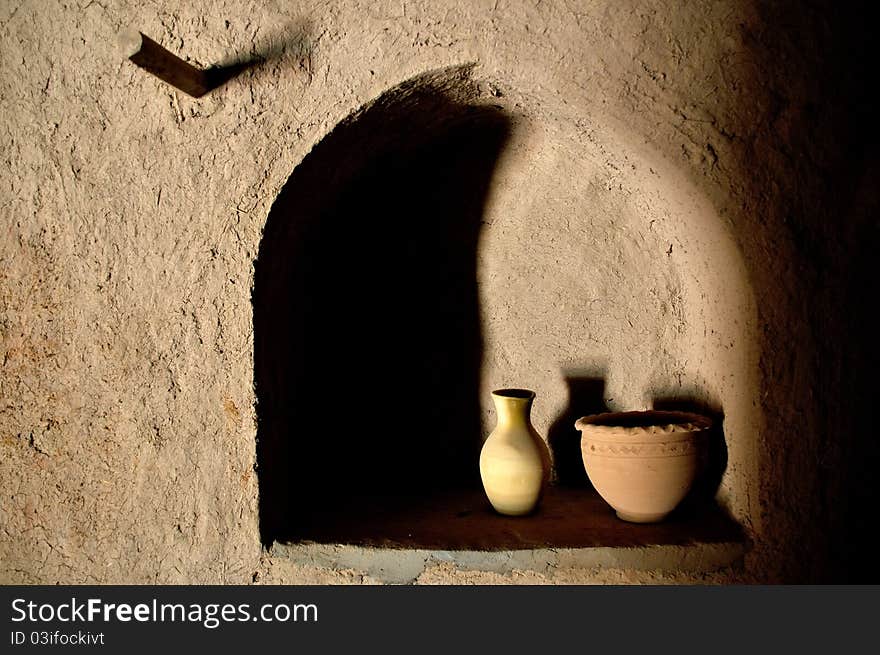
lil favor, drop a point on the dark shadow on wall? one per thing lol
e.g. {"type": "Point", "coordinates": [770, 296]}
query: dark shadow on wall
{"type": "Point", "coordinates": [366, 315]}
{"type": "Point", "coordinates": [811, 166]}
{"type": "Point", "coordinates": [288, 44]}
{"type": "Point", "coordinates": [586, 396]}
{"type": "Point", "coordinates": [852, 430]}
{"type": "Point", "coordinates": [713, 462]}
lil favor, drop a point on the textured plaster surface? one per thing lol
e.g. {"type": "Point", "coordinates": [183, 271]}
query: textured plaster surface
{"type": "Point", "coordinates": [409, 566]}
{"type": "Point", "coordinates": [655, 221]}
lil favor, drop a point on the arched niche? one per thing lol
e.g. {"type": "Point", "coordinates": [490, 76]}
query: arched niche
{"type": "Point", "coordinates": [450, 238]}
{"type": "Point", "coordinates": [366, 319]}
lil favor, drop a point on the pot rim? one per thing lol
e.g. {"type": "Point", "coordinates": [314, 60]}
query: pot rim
{"type": "Point", "coordinates": [650, 421]}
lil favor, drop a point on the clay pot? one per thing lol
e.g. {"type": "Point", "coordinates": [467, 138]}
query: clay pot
{"type": "Point", "coordinates": [643, 463]}
{"type": "Point", "coordinates": [514, 460]}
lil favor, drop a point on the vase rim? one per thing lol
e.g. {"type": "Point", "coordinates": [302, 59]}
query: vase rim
{"type": "Point", "coordinates": [513, 393]}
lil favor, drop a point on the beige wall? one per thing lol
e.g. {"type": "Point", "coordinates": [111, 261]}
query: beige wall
{"type": "Point", "coordinates": [133, 215]}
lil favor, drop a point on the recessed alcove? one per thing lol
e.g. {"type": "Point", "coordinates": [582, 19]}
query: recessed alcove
{"type": "Point", "coordinates": [372, 334]}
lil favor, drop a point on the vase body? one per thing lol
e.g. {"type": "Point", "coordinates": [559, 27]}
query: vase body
{"type": "Point", "coordinates": [514, 461]}
{"type": "Point", "coordinates": [644, 463]}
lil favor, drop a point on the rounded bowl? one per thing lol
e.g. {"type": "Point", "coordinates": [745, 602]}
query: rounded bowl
{"type": "Point", "coordinates": [643, 463]}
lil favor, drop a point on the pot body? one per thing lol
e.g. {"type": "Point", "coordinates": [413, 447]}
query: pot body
{"type": "Point", "coordinates": [514, 460]}
{"type": "Point", "coordinates": [643, 464]}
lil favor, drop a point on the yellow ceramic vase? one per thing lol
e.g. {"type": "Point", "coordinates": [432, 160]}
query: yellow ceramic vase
{"type": "Point", "coordinates": [514, 461]}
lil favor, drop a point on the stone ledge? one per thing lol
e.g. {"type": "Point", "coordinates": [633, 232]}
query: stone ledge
{"type": "Point", "coordinates": [395, 540]}
{"type": "Point", "coordinates": [404, 566]}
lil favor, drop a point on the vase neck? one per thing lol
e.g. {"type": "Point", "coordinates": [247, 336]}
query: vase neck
{"type": "Point", "coordinates": [513, 407]}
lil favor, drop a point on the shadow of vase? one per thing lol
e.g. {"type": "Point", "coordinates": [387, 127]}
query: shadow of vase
{"type": "Point", "coordinates": [586, 392]}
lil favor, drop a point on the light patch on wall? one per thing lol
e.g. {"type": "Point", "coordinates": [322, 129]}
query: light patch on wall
{"type": "Point", "coordinates": [599, 256]}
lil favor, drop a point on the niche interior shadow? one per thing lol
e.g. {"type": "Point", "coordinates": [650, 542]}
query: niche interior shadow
{"type": "Point", "coordinates": [366, 316]}
{"type": "Point", "coordinates": [705, 487]}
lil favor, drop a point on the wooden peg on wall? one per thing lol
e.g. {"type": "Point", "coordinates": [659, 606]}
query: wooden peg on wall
{"type": "Point", "coordinates": [170, 68]}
